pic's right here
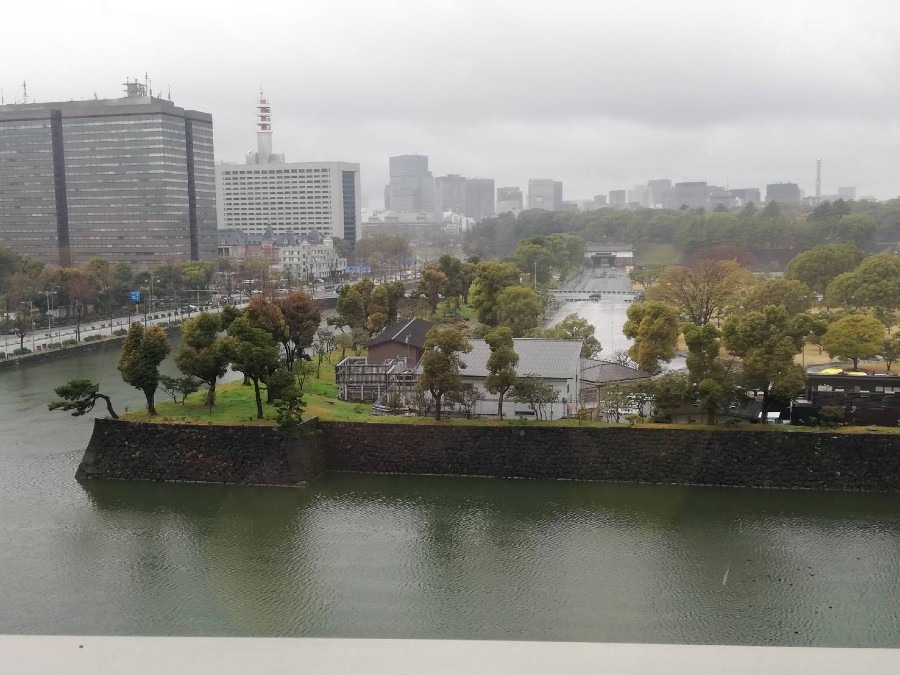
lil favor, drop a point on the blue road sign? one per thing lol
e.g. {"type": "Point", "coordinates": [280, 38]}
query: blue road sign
{"type": "Point", "coordinates": [135, 296]}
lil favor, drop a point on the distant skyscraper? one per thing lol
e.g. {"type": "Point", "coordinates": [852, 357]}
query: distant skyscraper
{"type": "Point", "coordinates": [658, 189]}
{"type": "Point", "coordinates": [692, 194]}
{"type": "Point", "coordinates": [846, 193]}
{"type": "Point", "coordinates": [479, 198]}
{"type": "Point", "coordinates": [557, 193]}
{"type": "Point", "coordinates": [618, 198]}
{"type": "Point", "coordinates": [600, 201]}
{"type": "Point", "coordinates": [126, 180]}
{"type": "Point", "coordinates": [411, 189]}
{"type": "Point", "coordinates": [302, 197]}
{"type": "Point", "coordinates": [639, 195]}
{"type": "Point", "coordinates": [450, 193]}
{"type": "Point", "coordinates": [746, 195]}
{"type": "Point", "coordinates": [509, 199]}
{"type": "Point", "coordinates": [542, 193]}
{"type": "Point", "coordinates": [784, 193]}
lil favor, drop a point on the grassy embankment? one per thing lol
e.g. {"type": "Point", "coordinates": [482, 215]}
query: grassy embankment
{"type": "Point", "coordinates": [235, 404]}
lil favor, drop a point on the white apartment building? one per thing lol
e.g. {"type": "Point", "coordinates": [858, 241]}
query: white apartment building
{"type": "Point", "coordinates": [301, 197]}
{"type": "Point", "coordinates": [308, 260]}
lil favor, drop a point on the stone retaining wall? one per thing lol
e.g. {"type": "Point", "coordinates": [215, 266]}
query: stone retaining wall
{"type": "Point", "coordinates": [201, 453]}
{"type": "Point", "coordinates": [767, 459]}
{"type": "Point", "coordinates": [265, 456]}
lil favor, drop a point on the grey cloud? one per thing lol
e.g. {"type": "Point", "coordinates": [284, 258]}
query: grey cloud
{"type": "Point", "coordinates": [601, 95]}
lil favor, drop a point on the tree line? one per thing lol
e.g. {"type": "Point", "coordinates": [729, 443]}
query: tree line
{"type": "Point", "coordinates": [267, 342]}
{"type": "Point", "coordinates": [744, 331]}
{"type": "Point", "coordinates": [758, 230]}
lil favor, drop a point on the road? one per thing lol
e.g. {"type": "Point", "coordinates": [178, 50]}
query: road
{"type": "Point", "coordinates": [38, 339]}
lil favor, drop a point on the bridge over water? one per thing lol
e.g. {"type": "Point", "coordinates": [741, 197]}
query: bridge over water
{"type": "Point", "coordinates": [593, 296]}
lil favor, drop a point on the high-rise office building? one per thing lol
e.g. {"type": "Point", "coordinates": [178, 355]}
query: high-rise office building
{"type": "Point", "coordinates": [746, 195]}
{"type": "Point", "coordinates": [846, 193]}
{"type": "Point", "coordinates": [301, 197]}
{"type": "Point", "coordinates": [557, 193]}
{"type": "Point", "coordinates": [411, 189]}
{"type": "Point", "coordinates": [785, 193]}
{"type": "Point", "coordinates": [126, 180]}
{"type": "Point", "coordinates": [618, 199]}
{"type": "Point", "coordinates": [639, 195]}
{"type": "Point", "coordinates": [658, 189]}
{"type": "Point", "coordinates": [509, 199]}
{"type": "Point", "coordinates": [450, 193]}
{"type": "Point", "coordinates": [543, 193]}
{"type": "Point", "coordinates": [479, 198]}
{"type": "Point", "coordinates": [691, 194]}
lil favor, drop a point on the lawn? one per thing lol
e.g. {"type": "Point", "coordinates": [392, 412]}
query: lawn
{"type": "Point", "coordinates": [236, 404]}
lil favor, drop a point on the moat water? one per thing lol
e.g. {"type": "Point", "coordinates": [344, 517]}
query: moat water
{"type": "Point", "coordinates": [391, 556]}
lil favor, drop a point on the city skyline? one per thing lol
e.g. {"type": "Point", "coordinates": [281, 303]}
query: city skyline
{"type": "Point", "coordinates": [723, 94]}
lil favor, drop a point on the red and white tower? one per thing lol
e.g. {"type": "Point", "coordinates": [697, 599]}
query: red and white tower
{"type": "Point", "coordinates": [263, 129]}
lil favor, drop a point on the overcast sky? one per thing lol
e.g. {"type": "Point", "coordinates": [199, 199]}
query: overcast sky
{"type": "Point", "coordinates": [601, 94]}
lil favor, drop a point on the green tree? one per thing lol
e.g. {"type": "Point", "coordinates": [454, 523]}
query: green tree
{"type": "Point", "coordinates": [704, 344]}
{"type": "Point", "coordinates": [80, 396]}
{"type": "Point", "coordinates": [198, 275]}
{"type": "Point", "coordinates": [431, 284]}
{"type": "Point", "coordinates": [377, 311]}
{"type": "Point", "coordinates": [645, 275]}
{"type": "Point", "coordinates": [654, 328]}
{"type": "Point", "coordinates": [818, 325]}
{"type": "Point", "coordinates": [501, 365]}
{"type": "Point", "coordinates": [856, 229]}
{"type": "Point", "coordinates": [175, 386]}
{"type": "Point", "coordinates": [819, 266]}
{"type": "Point", "coordinates": [710, 394]}
{"type": "Point", "coordinates": [875, 283]}
{"type": "Point", "coordinates": [255, 355]}
{"type": "Point", "coordinates": [536, 393]}
{"type": "Point", "coordinates": [203, 353]}
{"type": "Point", "coordinates": [703, 290]}
{"type": "Point", "coordinates": [441, 363]}
{"type": "Point", "coordinates": [573, 327]}
{"type": "Point", "coordinates": [302, 316]}
{"type": "Point", "coordinates": [854, 337]}
{"type": "Point", "coordinates": [490, 279]}
{"type": "Point", "coordinates": [767, 342]}
{"type": "Point", "coordinates": [519, 308]}
{"type": "Point", "coordinates": [396, 291]}
{"type": "Point", "coordinates": [228, 314]}
{"type": "Point", "coordinates": [890, 352]}
{"type": "Point", "coordinates": [142, 352]}
{"type": "Point", "coordinates": [795, 296]}
{"type": "Point", "coordinates": [459, 277]}
{"type": "Point", "coordinates": [351, 309]}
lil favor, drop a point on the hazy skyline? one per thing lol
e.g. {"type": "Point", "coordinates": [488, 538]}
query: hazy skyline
{"type": "Point", "coordinates": [599, 95]}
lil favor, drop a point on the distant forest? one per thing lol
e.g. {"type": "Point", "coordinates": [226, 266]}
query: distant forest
{"type": "Point", "coordinates": [770, 236]}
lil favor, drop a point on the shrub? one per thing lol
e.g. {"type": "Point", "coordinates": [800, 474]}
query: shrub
{"type": "Point", "coordinates": [53, 346]}
{"type": "Point", "coordinates": [831, 415]}
{"type": "Point", "coordinates": [69, 342]}
{"type": "Point", "coordinates": [120, 332]}
{"type": "Point", "coordinates": [92, 338]}
{"type": "Point", "coordinates": [21, 352]}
